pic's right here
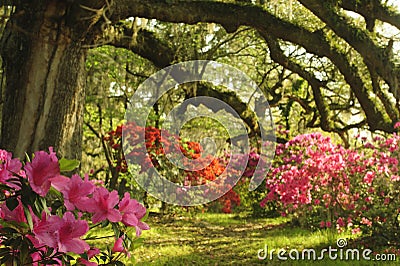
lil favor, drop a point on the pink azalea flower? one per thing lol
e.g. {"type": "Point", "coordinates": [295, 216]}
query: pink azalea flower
{"type": "Point", "coordinates": [8, 167]}
{"type": "Point", "coordinates": [37, 256]}
{"type": "Point", "coordinates": [82, 261]}
{"type": "Point", "coordinates": [340, 222]}
{"type": "Point", "coordinates": [366, 221]}
{"type": "Point", "coordinates": [369, 177]}
{"type": "Point", "coordinates": [322, 224]}
{"type": "Point", "coordinates": [93, 252]}
{"type": "Point", "coordinates": [90, 254]}
{"type": "Point", "coordinates": [387, 201]}
{"type": "Point", "coordinates": [46, 230]}
{"type": "Point", "coordinates": [119, 247]}
{"type": "Point", "coordinates": [41, 170]}
{"type": "Point", "coordinates": [328, 224]}
{"type": "Point", "coordinates": [75, 191]}
{"type": "Point", "coordinates": [69, 234]}
{"type": "Point", "coordinates": [132, 211]}
{"type": "Point", "coordinates": [102, 205]}
{"type": "Point", "coordinates": [395, 178]}
{"type": "Point", "coordinates": [63, 234]}
{"type": "Point", "coordinates": [349, 222]}
{"type": "Point", "coordinates": [16, 215]}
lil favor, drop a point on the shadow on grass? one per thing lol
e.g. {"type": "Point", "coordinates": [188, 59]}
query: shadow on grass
{"type": "Point", "coordinates": [220, 239]}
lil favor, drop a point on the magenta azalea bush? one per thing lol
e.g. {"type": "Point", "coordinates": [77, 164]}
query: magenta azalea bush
{"type": "Point", "coordinates": [47, 218]}
{"type": "Point", "coordinates": [329, 186]}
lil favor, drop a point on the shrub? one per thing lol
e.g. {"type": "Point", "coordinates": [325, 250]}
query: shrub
{"type": "Point", "coordinates": [159, 143]}
{"type": "Point", "coordinates": [48, 218]}
{"type": "Point", "coordinates": [326, 185]}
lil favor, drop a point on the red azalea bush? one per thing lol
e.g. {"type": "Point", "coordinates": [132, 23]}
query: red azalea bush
{"type": "Point", "coordinates": [249, 200]}
{"type": "Point", "coordinates": [45, 216]}
{"type": "Point", "coordinates": [159, 143]}
{"type": "Point", "coordinates": [326, 185]}
{"type": "Point", "coordinates": [210, 173]}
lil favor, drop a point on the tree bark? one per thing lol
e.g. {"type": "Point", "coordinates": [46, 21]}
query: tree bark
{"type": "Point", "coordinates": [45, 76]}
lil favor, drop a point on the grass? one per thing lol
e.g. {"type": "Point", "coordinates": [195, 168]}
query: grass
{"type": "Point", "coordinates": [226, 239]}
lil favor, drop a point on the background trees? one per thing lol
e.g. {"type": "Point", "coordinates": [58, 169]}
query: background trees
{"type": "Point", "coordinates": [331, 65]}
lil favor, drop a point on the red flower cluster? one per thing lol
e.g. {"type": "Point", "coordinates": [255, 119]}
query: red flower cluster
{"type": "Point", "coordinates": [158, 143]}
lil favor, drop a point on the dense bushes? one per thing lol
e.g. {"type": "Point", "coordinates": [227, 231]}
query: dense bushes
{"type": "Point", "coordinates": [326, 185]}
{"type": "Point", "coordinates": [321, 184]}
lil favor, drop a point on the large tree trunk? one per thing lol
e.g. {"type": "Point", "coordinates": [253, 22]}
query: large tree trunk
{"type": "Point", "coordinates": [45, 78]}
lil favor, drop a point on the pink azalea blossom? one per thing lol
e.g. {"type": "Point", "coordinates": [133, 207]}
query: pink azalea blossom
{"type": "Point", "coordinates": [8, 167]}
{"type": "Point", "coordinates": [349, 222]}
{"type": "Point", "coordinates": [90, 254]}
{"type": "Point", "coordinates": [119, 246]}
{"type": "Point", "coordinates": [46, 230]}
{"type": "Point", "coordinates": [93, 252]}
{"type": "Point", "coordinates": [355, 231]}
{"type": "Point", "coordinates": [328, 224]}
{"type": "Point", "coordinates": [16, 215]}
{"type": "Point", "coordinates": [387, 201]}
{"type": "Point", "coordinates": [41, 170]}
{"type": "Point", "coordinates": [395, 178]}
{"type": "Point", "coordinates": [75, 191]}
{"type": "Point", "coordinates": [62, 233]}
{"type": "Point", "coordinates": [132, 211]}
{"type": "Point", "coordinates": [366, 221]}
{"type": "Point", "coordinates": [82, 261]}
{"type": "Point", "coordinates": [340, 222]}
{"type": "Point", "coordinates": [69, 234]}
{"type": "Point", "coordinates": [102, 205]}
{"type": "Point", "coordinates": [369, 177]}
{"type": "Point", "coordinates": [37, 256]}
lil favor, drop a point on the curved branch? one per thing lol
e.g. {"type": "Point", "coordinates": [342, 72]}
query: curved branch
{"type": "Point", "coordinates": [362, 43]}
{"type": "Point", "coordinates": [372, 10]}
{"type": "Point", "coordinates": [231, 16]}
{"type": "Point", "coordinates": [278, 56]}
{"type": "Point", "coordinates": [148, 46]}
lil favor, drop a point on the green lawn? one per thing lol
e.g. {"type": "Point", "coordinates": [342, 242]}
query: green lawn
{"type": "Point", "coordinates": [225, 239]}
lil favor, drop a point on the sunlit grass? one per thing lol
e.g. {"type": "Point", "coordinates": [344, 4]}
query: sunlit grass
{"type": "Point", "coordinates": [227, 239]}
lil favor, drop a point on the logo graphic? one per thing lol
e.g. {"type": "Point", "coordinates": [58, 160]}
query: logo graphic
{"type": "Point", "coordinates": [341, 242]}
{"type": "Point", "coordinates": [216, 74]}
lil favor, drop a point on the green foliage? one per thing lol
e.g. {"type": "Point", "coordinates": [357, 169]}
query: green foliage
{"type": "Point", "coordinates": [67, 165]}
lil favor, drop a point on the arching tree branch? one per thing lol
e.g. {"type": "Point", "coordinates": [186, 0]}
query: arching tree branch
{"type": "Point", "coordinates": [267, 24]}
{"type": "Point", "coordinates": [371, 53]}
{"type": "Point", "coordinates": [372, 10]}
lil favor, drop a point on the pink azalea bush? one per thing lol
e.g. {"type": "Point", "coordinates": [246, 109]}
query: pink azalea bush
{"type": "Point", "coordinates": [35, 234]}
{"type": "Point", "coordinates": [329, 186]}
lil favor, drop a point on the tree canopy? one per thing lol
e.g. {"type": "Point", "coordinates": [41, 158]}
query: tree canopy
{"type": "Point", "coordinates": [344, 48]}
{"type": "Point", "coordinates": [330, 64]}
